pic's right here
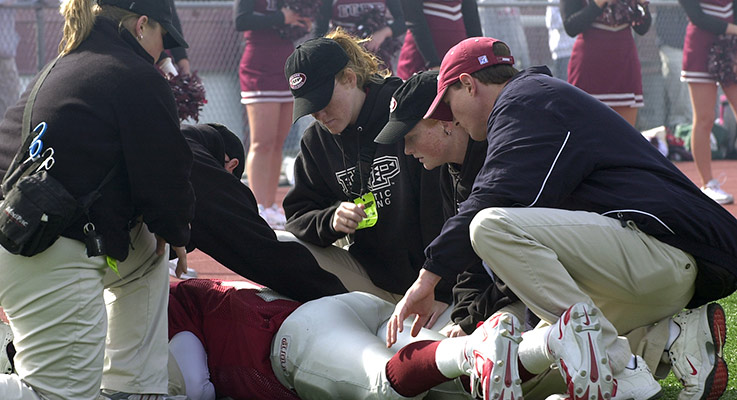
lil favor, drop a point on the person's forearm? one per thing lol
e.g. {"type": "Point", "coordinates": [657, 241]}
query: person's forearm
{"type": "Point", "coordinates": [428, 278]}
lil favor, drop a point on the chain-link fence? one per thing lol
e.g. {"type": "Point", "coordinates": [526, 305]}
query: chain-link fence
{"type": "Point", "coordinates": [216, 47]}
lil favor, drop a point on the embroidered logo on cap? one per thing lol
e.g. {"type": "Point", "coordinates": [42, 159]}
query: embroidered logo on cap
{"type": "Point", "coordinates": [393, 105]}
{"type": "Point", "coordinates": [483, 60]}
{"type": "Point", "coordinates": [297, 80]}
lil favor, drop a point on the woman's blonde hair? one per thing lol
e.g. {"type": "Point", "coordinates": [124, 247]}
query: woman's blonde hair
{"type": "Point", "coordinates": [79, 18]}
{"type": "Point", "coordinates": [364, 63]}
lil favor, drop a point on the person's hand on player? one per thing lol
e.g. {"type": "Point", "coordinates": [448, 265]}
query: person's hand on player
{"type": "Point", "coordinates": [418, 301]}
{"type": "Point", "coordinates": [453, 330]}
{"type": "Point", "coordinates": [347, 217]}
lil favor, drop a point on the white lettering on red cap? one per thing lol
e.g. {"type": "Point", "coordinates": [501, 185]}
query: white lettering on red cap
{"type": "Point", "coordinates": [392, 105]}
{"type": "Point", "coordinates": [297, 80]}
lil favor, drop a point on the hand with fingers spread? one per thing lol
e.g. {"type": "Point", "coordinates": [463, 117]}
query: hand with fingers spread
{"type": "Point", "coordinates": [418, 301]}
{"type": "Point", "coordinates": [347, 217]}
{"type": "Point", "coordinates": [181, 253]}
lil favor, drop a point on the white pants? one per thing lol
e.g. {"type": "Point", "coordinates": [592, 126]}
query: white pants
{"type": "Point", "coordinates": [334, 348]}
{"type": "Point", "coordinates": [60, 318]}
{"type": "Point", "coordinates": [554, 258]}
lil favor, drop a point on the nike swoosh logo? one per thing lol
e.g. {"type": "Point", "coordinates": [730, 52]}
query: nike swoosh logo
{"type": "Point", "coordinates": [693, 370]}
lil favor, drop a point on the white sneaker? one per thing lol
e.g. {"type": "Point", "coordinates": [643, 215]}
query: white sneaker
{"type": "Point", "coordinates": [631, 384]}
{"type": "Point", "coordinates": [273, 216]}
{"type": "Point", "coordinates": [6, 367]}
{"type": "Point", "coordinates": [575, 342]}
{"type": "Point", "coordinates": [715, 192]}
{"type": "Point", "coordinates": [491, 354]}
{"type": "Point", "coordinates": [636, 384]}
{"type": "Point", "coordinates": [696, 354]}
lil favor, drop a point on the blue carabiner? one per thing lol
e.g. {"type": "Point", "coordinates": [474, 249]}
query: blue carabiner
{"type": "Point", "coordinates": [34, 150]}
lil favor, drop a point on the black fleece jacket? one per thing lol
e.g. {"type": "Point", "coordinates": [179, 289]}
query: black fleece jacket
{"type": "Point", "coordinates": [228, 228]}
{"type": "Point", "coordinates": [407, 196]}
{"type": "Point", "coordinates": [476, 295]}
{"type": "Point", "coordinates": [104, 103]}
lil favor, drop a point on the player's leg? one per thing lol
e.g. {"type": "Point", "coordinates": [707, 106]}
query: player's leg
{"type": "Point", "coordinates": [191, 360]}
{"type": "Point", "coordinates": [329, 349]}
{"type": "Point", "coordinates": [488, 356]}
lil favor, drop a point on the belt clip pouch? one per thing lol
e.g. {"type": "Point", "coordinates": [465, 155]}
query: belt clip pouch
{"type": "Point", "coordinates": [34, 214]}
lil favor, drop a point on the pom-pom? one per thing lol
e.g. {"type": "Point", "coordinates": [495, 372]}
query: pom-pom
{"type": "Point", "coordinates": [305, 8]}
{"type": "Point", "coordinates": [721, 59]}
{"type": "Point", "coordinates": [371, 21]}
{"type": "Point", "coordinates": [623, 12]}
{"type": "Point", "coordinates": [189, 94]}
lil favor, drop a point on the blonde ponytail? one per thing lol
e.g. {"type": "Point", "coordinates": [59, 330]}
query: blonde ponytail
{"type": "Point", "coordinates": [79, 18]}
{"type": "Point", "coordinates": [364, 63]}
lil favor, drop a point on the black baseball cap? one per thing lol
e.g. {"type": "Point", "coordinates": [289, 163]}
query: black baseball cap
{"type": "Point", "coordinates": [311, 71]}
{"type": "Point", "coordinates": [158, 10]}
{"type": "Point", "coordinates": [409, 104]}
{"type": "Point", "coordinates": [232, 146]}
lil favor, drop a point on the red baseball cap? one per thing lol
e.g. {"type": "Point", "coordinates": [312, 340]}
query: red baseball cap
{"type": "Point", "coordinates": [468, 56]}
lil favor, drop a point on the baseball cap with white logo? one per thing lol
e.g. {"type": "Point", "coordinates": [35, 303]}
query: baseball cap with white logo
{"type": "Point", "coordinates": [310, 71]}
{"type": "Point", "coordinates": [409, 103]}
{"type": "Point", "coordinates": [468, 56]}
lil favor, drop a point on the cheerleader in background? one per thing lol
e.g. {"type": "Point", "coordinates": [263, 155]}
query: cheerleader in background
{"type": "Point", "coordinates": [604, 60]}
{"type": "Point", "coordinates": [433, 28]}
{"type": "Point", "coordinates": [266, 94]}
{"type": "Point", "coordinates": [708, 19]}
{"type": "Point", "coordinates": [382, 20]}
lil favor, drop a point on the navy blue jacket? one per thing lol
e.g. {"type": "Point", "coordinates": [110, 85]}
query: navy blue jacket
{"type": "Point", "coordinates": [552, 145]}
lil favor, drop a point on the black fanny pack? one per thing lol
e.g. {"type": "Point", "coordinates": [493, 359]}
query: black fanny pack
{"type": "Point", "coordinates": [34, 214]}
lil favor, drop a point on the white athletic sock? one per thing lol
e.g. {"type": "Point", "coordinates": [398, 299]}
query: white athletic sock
{"type": "Point", "coordinates": [533, 350]}
{"type": "Point", "coordinates": [674, 331]}
{"type": "Point", "coordinates": [450, 357]}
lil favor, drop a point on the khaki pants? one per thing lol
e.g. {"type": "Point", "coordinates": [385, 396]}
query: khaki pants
{"type": "Point", "coordinates": [554, 258]}
{"type": "Point", "coordinates": [341, 263]}
{"type": "Point", "coordinates": [60, 318]}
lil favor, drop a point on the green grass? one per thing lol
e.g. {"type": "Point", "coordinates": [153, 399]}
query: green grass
{"type": "Point", "coordinates": [671, 386]}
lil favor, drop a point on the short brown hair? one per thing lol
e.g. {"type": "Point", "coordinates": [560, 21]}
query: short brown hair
{"type": "Point", "coordinates": [494, 74]}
